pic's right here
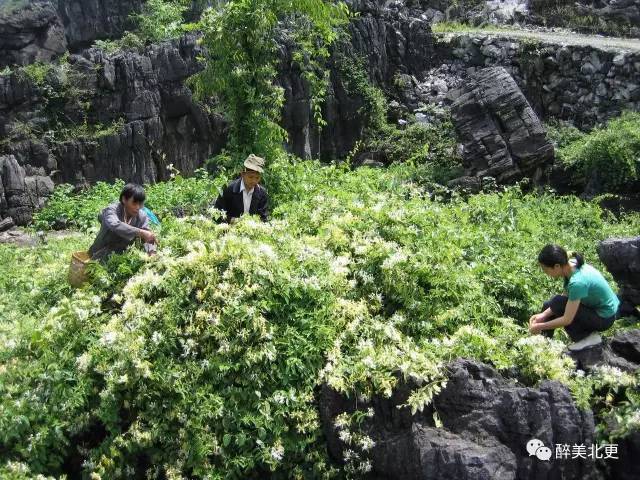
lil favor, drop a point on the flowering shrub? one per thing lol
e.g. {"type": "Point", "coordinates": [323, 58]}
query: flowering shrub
{"type": "Point", "coordinates": [203, 362]}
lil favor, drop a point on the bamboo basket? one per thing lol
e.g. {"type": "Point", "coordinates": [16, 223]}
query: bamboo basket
{"type": "Point", "coordinates": [78, 268]}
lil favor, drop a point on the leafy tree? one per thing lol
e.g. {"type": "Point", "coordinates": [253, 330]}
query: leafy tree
{"type": "Point", "coordinates": [240, 63]}
{"type": "Point", "coordinates": [161, 19]}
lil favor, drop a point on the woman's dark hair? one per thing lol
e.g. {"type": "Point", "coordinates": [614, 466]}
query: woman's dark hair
{"type": "Point", "coordinates": [552, 255]}
{"type": "Point", "coordinates": [133, 190]}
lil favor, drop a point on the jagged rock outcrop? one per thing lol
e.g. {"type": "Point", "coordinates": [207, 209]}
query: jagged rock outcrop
{"type": "Point", "coordinates": [620, 351]}
{"type": "Point", "coordinates": [628, 467]}
{"type": "Point", "coordinates": [621, 256]}
{"type": "Point", "coordinates": [30, 32]}
{"type": "Point", "coordinates": [487, 421]}
{"type": "Point", "coordinates": [501, 134]}
{"type": "Point", "coordinates": [21, 191]}
{"type": "Point", "coordinates": [107, 116]}
{"type": "Point", "coordinates": [87, 20]}
{"type": "Point", "coordinates": [391, 38]}
{"type": "Point", "coordinates": [41, 30]}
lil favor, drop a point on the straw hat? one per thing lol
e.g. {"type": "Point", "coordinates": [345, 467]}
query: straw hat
{"type": "Point", "coordinates": [253, 162]}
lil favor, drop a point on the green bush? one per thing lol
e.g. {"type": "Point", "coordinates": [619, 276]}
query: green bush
{"type": "Point", "coordinates": [37, 72]}
{"type": "Point", "coordinates": [206, 362]}
{"type": "Point", "coordinates": [161, 19]}
{"type": "Point", "coordinates": [356, 82]}
{"type": "Point", "coordinates": [609, 155]}
{"type": "Point", "coordinates": [130, 40]}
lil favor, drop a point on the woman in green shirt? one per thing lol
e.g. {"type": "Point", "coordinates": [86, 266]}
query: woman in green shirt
{"type": "Point", "coordinates": [588, 305]}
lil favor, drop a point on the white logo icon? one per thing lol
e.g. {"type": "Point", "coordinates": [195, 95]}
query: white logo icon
{"type": "Point", "coordinates": [537, 448]}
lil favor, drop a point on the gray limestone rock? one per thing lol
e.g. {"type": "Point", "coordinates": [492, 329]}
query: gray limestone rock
{"type": "Point", "coordinates": [501, 134]}
{"type": "Point", "coordinates": [487, 421]}
{"type": "Point", "coordinates": [621, 256]}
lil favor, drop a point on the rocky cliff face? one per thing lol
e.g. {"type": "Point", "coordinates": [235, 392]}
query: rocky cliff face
{"type": "Point", "coordinates": [41, 30]}
{"type": "Point", "coordinates": [102, 117]}
{"type": "Point", "coordinates": [391, 39]}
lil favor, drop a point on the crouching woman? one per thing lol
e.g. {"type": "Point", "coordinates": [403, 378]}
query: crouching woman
{"type": "Point", "coordinates": [588, 305]}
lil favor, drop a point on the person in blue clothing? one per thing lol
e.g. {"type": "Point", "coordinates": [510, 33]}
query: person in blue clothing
{"type": "Point", "coordinates": [587, 306]}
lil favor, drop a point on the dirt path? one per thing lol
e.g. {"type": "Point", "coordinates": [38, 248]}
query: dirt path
{"type": "Point", "coordinates": [559, 38]}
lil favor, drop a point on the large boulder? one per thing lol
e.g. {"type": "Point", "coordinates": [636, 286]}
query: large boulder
{"type": "Point", "coordinates": [501, 134]}
{"type": "Point", "coordinates": [621, 256]}
{"type": "Point", "coordinates": [487, 421]}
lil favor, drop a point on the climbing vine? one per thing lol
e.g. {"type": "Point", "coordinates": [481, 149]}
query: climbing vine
{"type": "Point", "coordinates": [241, 57]}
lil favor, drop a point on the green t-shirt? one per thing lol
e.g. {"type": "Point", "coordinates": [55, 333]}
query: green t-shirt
{"type": "Point", "coordinates": [589, 286]}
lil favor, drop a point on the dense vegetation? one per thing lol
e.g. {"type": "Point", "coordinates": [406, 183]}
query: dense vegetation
{"type": "Point", "coordinates": [204, 361]}
{"type": "Point", "coordinates": [608, 157]}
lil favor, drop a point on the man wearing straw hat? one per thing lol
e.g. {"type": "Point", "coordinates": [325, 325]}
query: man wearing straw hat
{"type": "Point", "coordinates": [245, 195]}
{"type": "Point", "coordinates": [121, 223]}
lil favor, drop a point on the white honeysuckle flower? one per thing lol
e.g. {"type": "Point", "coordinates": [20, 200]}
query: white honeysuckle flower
{"type": "Point", "coordinates": [369, 362]}
{"type": "Point", "coordinates": [267, 250]}
{"type": "Point", "coordinates": [277, 452]}
{"type": "Point", "coordinates": [341, 421]}
{"type": "Point", "coordinates": [394, 259]}
{"type": "Point", "coordinates": [108, 338]}
{"type": "Point", "coordinates": [349, 455]}
{"type": "Point", "coordinates": [366, 443]}
{"type": "Point", "coordinates": [345, 436]}
{"type": "Point", "coordinates": [157, 337]}
{"type": "Point", "coordinates": [634, 419]}
{"type": "Point", "coordinates": [365, 467]}
{"type": "Point", "coordinates": [83, 361]}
